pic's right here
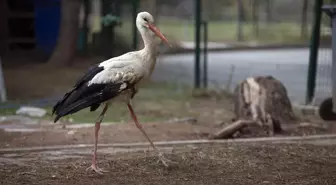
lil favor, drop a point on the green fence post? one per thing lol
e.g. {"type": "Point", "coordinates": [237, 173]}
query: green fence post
{"type": "Point", "coordinates": [107, 32]}
{"type": "Point", "coordinates": [87, 6]}
{"type": "Point", "coordinates": [314, 45]}
{"type": "Point", "coordinates": [205, 54]}
{"type": "Point", "coordinates": [198, 12]}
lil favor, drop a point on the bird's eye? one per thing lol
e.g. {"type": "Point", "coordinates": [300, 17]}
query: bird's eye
{"type": "Point", "coordinates": [146, 19]}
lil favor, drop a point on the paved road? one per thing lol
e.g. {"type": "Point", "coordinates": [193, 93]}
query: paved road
{"type": "Point", "coordinates": [288, 65]}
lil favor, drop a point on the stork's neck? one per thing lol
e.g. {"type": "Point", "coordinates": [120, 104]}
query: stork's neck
{"type": "Point", "coordinates": [149, 42]}
{"type": "Point", "coordinates": [149, 52]}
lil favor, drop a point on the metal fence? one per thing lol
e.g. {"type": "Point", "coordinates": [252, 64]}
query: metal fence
{"type": "Point", "coordinates": [323, 77]}
{"type": "Point", "coordinates": [281, 22]}
{"type": "Point", "coordinates": [272, 21]}
{"type": "Point", "coordinates": [230, 21]}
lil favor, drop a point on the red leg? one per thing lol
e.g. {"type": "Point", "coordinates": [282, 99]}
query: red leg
{"type": "Point", "coordinates": [94, 165]}
{"type": "Point", "coordinates": [139, 126]}
{"type": "Point", "coordinates": [161, 157]}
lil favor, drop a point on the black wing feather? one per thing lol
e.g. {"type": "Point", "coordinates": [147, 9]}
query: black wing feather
{"type": "Point", "coordinates": [94, 107]}
{"type": "Point", "coordinates": [86, 100]}
{"type": "Point", "coordinates": [89, 75]}
{"type": "Point", "coordinates": [86, 78]}
{"type": "Point", "coordinates": [83, 96]}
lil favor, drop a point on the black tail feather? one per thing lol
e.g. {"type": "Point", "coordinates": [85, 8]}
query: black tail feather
{"type": "Point", "coordinates": [60, 103]}
{"type": "Point", "coordinates": [94, 107]}
{"type": "Point", "coordinates": [84, 97]}
{"type": "Point", "coordinates": [79, 105]}
{"type": "Point", "coordinates": [75, 107]}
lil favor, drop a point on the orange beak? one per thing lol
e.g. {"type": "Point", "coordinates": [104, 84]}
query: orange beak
{"type": "Point", "coordinates": [158, 33]}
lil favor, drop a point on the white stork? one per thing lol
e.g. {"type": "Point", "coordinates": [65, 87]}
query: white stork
{"type": "Point", "coordinates": [116, 77]}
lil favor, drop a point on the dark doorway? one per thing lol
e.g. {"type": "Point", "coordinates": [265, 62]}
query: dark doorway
{"type": "Point", "coordinates": [21, 25]}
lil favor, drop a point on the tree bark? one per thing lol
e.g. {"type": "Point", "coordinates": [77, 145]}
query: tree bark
{"type": "Point", "coordinates": [65, 49]}
{"type": "Point", "coordinates": [230, 130]}
{"type": "Point", "coordinates": [260, 100]}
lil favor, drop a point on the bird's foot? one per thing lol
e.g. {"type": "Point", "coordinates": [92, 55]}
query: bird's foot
{"type": "Point", "coordinates": [95, 168]}
{"type": "Point", "coordinates": [164, 160]}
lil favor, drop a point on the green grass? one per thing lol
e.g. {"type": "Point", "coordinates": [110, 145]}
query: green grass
{"type": "Point", "coordinates": [224, 31]}
{"type": "Point", "coordinates": [154, 102]}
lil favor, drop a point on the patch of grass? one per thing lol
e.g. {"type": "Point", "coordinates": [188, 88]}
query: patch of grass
{"type": "Point", "coordinates": [154, 102]}
{"type": "Point", "coordinates": [7, 111]}
{"type": "Point", "coordinates": [224, 31]}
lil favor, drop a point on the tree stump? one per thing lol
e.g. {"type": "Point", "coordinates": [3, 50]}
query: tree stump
{"type": "Point", "coordinates": [261, 101]}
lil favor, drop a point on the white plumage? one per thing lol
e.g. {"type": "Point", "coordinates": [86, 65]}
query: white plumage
{"type": "Point", "coordinates": [113, 78]}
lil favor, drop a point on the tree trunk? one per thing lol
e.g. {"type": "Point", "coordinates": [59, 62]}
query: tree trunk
{"type": "Point", "coordinates": [260, 100]}
{"type": "Point", "coordinates": [304, 19]}
{"type": "Point", "coordinates": [65, 49]}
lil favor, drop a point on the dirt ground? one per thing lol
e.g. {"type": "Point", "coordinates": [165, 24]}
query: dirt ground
{"type": "Point", "coordinates": [115, 133]}
{"type": "Point", "coordinates": [48, 134]}
{"type": "Point", "coordinates": [217, 164]}
{"type": "Point", "coordinates": [208, 164]}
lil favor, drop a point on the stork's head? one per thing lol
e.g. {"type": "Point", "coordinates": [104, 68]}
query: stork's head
{"type": "Point", "coordinates": [145, 24]}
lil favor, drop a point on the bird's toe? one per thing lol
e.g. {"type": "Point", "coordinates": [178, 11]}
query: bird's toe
{"type": "Point", "coordinates": [164, 160]}
{"type": "Point", "coordinates": [96, 169]}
